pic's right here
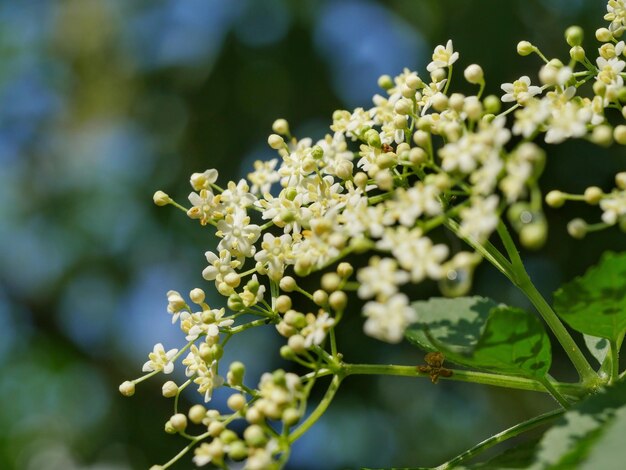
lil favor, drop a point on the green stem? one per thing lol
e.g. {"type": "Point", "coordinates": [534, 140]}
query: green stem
{"type": "Point", "coordinates": [185, 450]}
{"type": "Point", "coordinates": [614, 362]}
{"type": "Point", "coordinates": [501, 437]}
{"type": "Point", "coordinates": [319, 411]}
{"type": "Point", "coordinates": [555, 393]}
{"type": "Point", "coordinates": [585, 371]}
{"type": "Point", "coordinates": [485, 378]}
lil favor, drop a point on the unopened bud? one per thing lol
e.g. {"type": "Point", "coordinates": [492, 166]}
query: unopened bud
{"type": "Point", "coordinates": [169, 389]}
{"type": "Point", "coordinates": [127, 388]}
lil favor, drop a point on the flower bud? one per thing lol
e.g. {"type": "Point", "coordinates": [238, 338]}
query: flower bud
{"type": "Point", "coordinates": [179, 422]}
{"type": "Point", "coordinates": [474, 74]}
{"type": "Point", "coordinates": [440, 103]}
{"type": "Point", "coordinates": [236, 402]}
{"type": "Point", "coordinates": [620, 180]}
{"type": "Point", "coordinates": [602, 135]}
{"type": "Point", "coordinates": [235, 303]}
{"type": "Point", "coordinates": [344, 169]}
{"type": "Point", "coordinates": [619, 133]}
{"type": "Point", "coordinates": [288, 284]}
{"type": "Point", "coordinates": [525, 48]}
{"type": "Point", "coordinates": [237, 451]}
{"type": "Point", "coordinates": [290, 416]}
{"type": "Point", "coordinates": [236, 373]}
{"type": "Point", "coordinates": [492, 104]}
{"type": "Point", "coordinates": [338, 300]}
{"type": "Point", "coordinates": [345, 269]}
{"type": "Point", "coordinates": [197, 413]}
{"type": "Point", "coordinates": [283, 303]}
{"type": "Point", "coordinates": [403, 107]}
{"type": "Point", "coordinates": [275, 141]}
{"type": "Point", "coordinates": [417, 156]}
{"type": "Point", "coordinates": [254, 436]}
{"type": "Point", "coordinates": [533, 236]}
{"type": "Point", "coordinates": [593, 195]}
{"type": "Point", "coordinates": [577, 53]}
{"type": "Point", "coordinates": [320, 297]}
{"type": "Point", "coordinates": [330, 282]}
{"type": "Point", "coordinates": [603, 35]}
{"type": "Point", "coordinates": [360, 180]}
{"type": "Point", "coordinates": [296, 344]}
{"type": "Point", "coordinates": [421, 138]}
{"type": "Point", "coordinates": [197, 296]}
{"type": "Point", "coordinates": [555, 199]}
{"type": "Point", "coordinates": [385, 82]}
{"type": "Point", "coordinates": [287, 352]}
{"type": "Point", "coordinates": [577, 228]}
{"type": "Point", "coordinates": [281, 127]}
{"type": "Point", "coordinates": [574, 35]}
{"type": "Point", "coordinates": [161, 199]}
{"type": "Point", "coordinates": [216, 428]}
{"type": "Point", "coordinates": [169, 389]}
{"type": "Point", "coordinates": [127, 388]}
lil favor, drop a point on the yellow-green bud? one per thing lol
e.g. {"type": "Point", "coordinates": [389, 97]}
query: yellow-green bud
{"type": "Point", "coordinates": [287, 352]}
{"type": "Point", "coordinates": [533, 236]}
{"type": "Point", "coordinates": [577, 53]}
{"type": "Point", "coordinates": [283, 303]}
{"type": "Point", "coordinates": [403, 106]}
{"type": "Point", "coordinates": [417, 156]}
{"type": "Point", "coordinates": [345, 269]}
{"type": "Point", "coordinates": [169, 389]}
{"type": "Point", "coordinates": [281, 127]}
{"type": "Point", "coordinates": [275, 141]}
{"type": "Point", "coordinates": [296, 344]}
{"type": "Point", "coordinates": [235, 373]}
{"type": "Point", "coordinates": [385, 82]}
{"type": "Point", "coordinates": [492, 104]}
{"type": "Point", "coordinates": [161, 199]}
{"type": "Point", "coordinates": [169, 427]}
{"type": "Point", "coordinates": [619, 133]}
{"type": "Point", "coordinates": [216, 428]}
{"type": "Point", "coordinates": [288, 284]}
{"type": "Point", "coordinates": [197, 413]}
{"type": "Point", "coordinates": [421, 138]}
{"type": "Point", "coordinates": [577, 228]}
{"type": "Point", "coordinates": [237, 451]}
{"type": "Point", "coordinates": [620, 180]}
{"type": "Point", "coordinates": [254, 436]}
{"type": "Point", "coordinates": [291, 416]}
{"type": "Point", "coordinates": [320, 297]}
{"type": "Point", "coordinates": [330, 282]}
{"type": "Point", "coordinates": [525, 48]}
{"type": "Point", "coordinates": [236, 402]}
{"type": "Point", "coordinates": [603, 35]}
{"type": "Point", "coordinates": [602, 135]}
{"type": "Point", "coordinates": [555, 199]}
{"type": "Point", "coordinates": [338, 300]}
{"type": "Point", "coordinates": [574, 35]}
{"type": "Point", "coordinates": [127, 388]}
{"type": "Point", "coordinates": [474, 74]}
{"type": "Point", "coordinates": [593, 195]}
{"type": "Point", "coordinates": [179, 422]}
{"type": "Point", "coordinates": [360, 179]}
{"type": "Point", "coordinates": [317, 152]}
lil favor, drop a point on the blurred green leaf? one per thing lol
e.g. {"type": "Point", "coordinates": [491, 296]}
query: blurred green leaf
{"type": "Point", "coordinates": [475, 332]}
{"type": "Point", "coordinates": [595, 303]}
{"type": "Point", "coordinates": [598, 347]}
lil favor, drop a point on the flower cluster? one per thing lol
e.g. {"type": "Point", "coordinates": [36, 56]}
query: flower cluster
{"type": "Point", "coordinates": [386, 180]}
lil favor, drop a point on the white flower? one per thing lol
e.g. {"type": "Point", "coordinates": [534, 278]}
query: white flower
{"type": "Point", "coordinates": [238, 234]}
{"type": "Point", "coordinates": [411, 203]}
{"type": "Point", "coordinates": [238, 195]}
{"type": "Point", "coordinates": [616, 15]}
{"type": "Point", "coordinates": [481, 218]}
{"type": "Point", "coordinates": [263, 176]}
{"type": "Point", "coordinates": [219, 266]}
{"type": "Point", "coordinates": [207, 380]}
{"type": "Point", "coordinates": [529, 118]}
{"type": "Point", "coordinates": [443, 57]}
{"type": "Point", "coordinates": [204, 180]}
{"type": "Point", "coordinates": [414, 252]}
{"type": "Point", "coordinates": [315, 332]}
{"type": "Point", "coordinates": [159, 360]}
{"type": "Point", "coordinates": [205, 206]}
{"type": "Point", "coordinates": [206, 323]}
{"type": "Point", "coordinates": [381, 278]}
{"type": "Point", "coordinates": [275, 254]}
{"type": "Point", "coordinates": [520, 90]}
{"type": "Point", "coordinates": [175, 304]}
{"type": "Point", "coordinates": [614, 207]}
{"type": "Point", "coordinates": [567, 121]}
{"type": "Point", "coordinates": [388, 320]}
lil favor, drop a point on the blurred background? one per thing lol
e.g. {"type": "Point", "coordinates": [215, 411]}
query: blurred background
{"type": "Point", "coordinates": [104, 102]}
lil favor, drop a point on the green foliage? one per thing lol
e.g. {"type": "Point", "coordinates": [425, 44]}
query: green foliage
{"type": "Point", "coordinates": [595, 303]}
{"type": "Point", "coordinates": [478, 333]}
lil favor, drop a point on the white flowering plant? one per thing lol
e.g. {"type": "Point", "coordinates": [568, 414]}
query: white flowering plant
{"type": "Point", "coordinates": [384, 184]}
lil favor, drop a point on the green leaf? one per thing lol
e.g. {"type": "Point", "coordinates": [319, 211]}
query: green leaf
{"type": "Point", "coordinates": [595, 303]}
{"type": "Point", "coordinates": [475, 332]}
{"type": "Point", "coordinates": [598, 347]}
{"type": "Point", "coordinates": [590, 436]}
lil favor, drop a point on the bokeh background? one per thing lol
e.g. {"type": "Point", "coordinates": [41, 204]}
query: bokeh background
{"type": "Point", "coordinates": [103, 102]}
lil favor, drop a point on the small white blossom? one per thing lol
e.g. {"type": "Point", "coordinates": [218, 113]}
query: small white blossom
{"type": "Point", "coordinates": [481, 218]}
{"type": "Point", "coordinates": [388, 320]}
{"type": "Point", "coordinates": [263, 176]}
{"type": "Point", "coordinates": [443, 57]}
{"type": "Point", "coordinates": [276, 253]}
{"type": "Point", "coordinates": [614, 207]}
{"type": "Point", "coordinates": [159, 360]}
{"type": "Point", "coordinates": [315, 332]}
{"type": "Point", "coordinates": [380, 278]}
{"type": "Point", "coordinates": [520, 90]}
